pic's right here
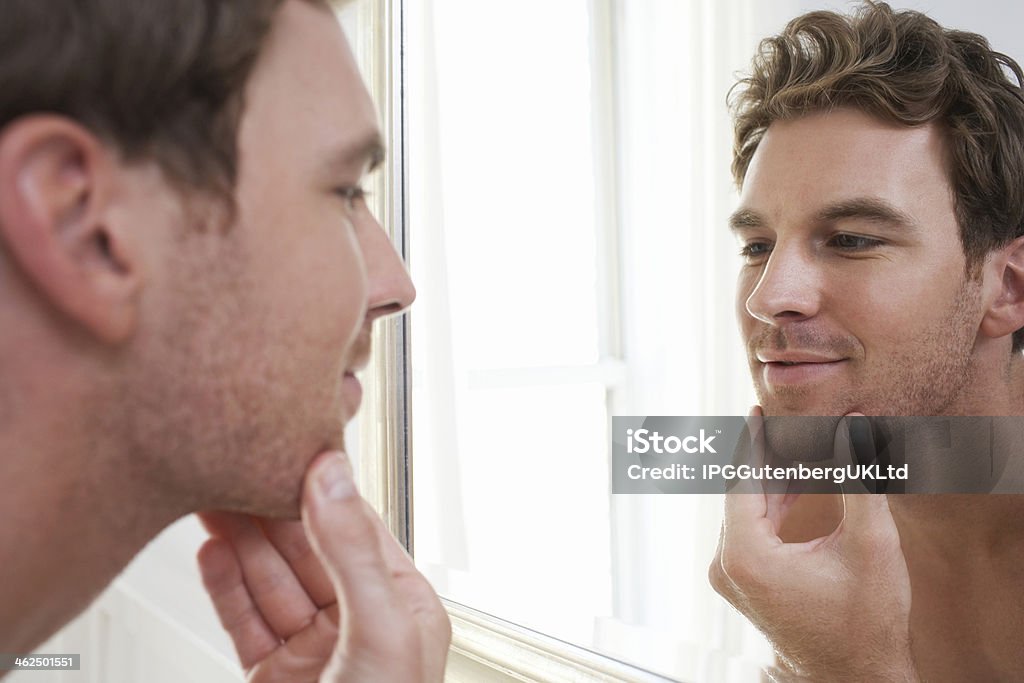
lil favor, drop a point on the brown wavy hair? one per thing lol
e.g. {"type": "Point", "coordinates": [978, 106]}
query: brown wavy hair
{"type": "Point", "coordinates": [905, 68]}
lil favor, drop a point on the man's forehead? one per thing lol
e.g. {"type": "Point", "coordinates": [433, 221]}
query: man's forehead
{"type": "Point", "coordinates": [804, 165]}
{"type": "Point", "coordinates": [841, 138]}
{"type": "Point", "coordinates": [364, 147]}
{"type": "Point", "coordinates": [306, 97]}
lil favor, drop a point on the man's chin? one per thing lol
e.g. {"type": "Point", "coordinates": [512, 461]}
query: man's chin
{"type": "Point", "coordinates": [279, 493]}
{"type": "Point", "coordinates": [278, 498]}
{"type": "Point", "coordinates": [807, 403]}
{"type": "Point", "coordinates": [811, 411]}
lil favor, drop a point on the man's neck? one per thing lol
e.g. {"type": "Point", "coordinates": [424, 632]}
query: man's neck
{"type": "Point", "coordinates": [74, 516]}
{"type": "Point", "coordinates": [958, 529]}
{"type": "Point", "coordinates": [962, 526]}
{"type": "Point", "coordinates": [996, 385]}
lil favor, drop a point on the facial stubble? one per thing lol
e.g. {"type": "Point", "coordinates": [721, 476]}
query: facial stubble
{"type": "Point", "coordinates": [927, 374]}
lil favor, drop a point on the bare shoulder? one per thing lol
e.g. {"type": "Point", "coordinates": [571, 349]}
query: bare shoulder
{"type": "Point", "coordinates": [812, 516]}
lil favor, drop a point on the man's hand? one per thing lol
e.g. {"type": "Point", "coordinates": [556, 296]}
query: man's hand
{"type": "Point", "coordinates": [836, 608]}
{"type": "Point", "coordinates": [333, 598]}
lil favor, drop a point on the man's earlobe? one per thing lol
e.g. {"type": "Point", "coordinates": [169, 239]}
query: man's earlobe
{"type": "Point", "coordinates": [1005, 314]}
{"type": "Point", "coordinates": [56, 185]}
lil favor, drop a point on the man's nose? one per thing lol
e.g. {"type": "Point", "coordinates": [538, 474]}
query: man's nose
{"type": "Point", "coordinates": [789, 288]}
{"type": "Point", "coordinates": [390, 288]}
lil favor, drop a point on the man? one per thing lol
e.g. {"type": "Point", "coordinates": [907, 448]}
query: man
{"type": "Point", "coordinates": [881, 166]}
{"type": "Point", "coordinates": [189, 274]}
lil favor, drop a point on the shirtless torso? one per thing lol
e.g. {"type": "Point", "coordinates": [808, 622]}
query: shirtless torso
{"type": "Point", "coordinates": [965, 556]}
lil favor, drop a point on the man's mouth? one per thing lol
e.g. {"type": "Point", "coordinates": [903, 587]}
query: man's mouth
{"type": "Point", "coordinates": [351, 387]}
{"type": "Point", "coordinates": [796, 357]}
{"type": "Point", "coordinates": [794, 368]}
{"type": "Point", "coordinates": [816, 362]}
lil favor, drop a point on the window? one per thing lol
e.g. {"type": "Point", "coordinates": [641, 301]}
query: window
{"type": "Point", "coordinates": [514, 350]}
{"type": "Point", "coordinates": [567, 190]}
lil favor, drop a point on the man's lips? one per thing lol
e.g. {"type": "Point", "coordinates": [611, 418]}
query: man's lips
{"type": "Point", "coordinates": [792, 357]}
{"type": "Point", "coordinates": [791, 369]}
{"type": "Point", "coordinates": [358, 359]}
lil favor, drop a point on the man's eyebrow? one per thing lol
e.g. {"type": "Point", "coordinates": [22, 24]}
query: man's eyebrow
{"type": "Point", "coordinates": [745, 219]}
{"type": "Point", "coordinates": [862, 208]}
{"type": "Point", "coordinates": [368, 148]}
{"type": "Point", "coordinates": [867, 209]}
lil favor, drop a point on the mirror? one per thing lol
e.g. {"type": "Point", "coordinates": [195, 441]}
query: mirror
{"type": "Point", "coordinates": [566, 201]}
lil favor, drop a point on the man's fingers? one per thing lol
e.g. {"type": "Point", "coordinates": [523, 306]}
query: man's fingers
{"type": "Point", "coordinates": [746, 505]}
{"type": "Point", "coordinates": [303, 657]}
{"type": "Point", "coordinates": [867, 526]}
{"type": "Point", "coordinates": [414, 588]}
{"type": "Point", "coordinates": [421, 600]}
{"type": "Point", "coordinates": [867, 515]}
{"type": "Point", "coordinates": [341, 530]}
{"type": "Point", "coordinates": [745, 514]}
{"type": "Point", "coordinates": [747, 538]}
{"type": "Point", "coordinates": [750, 451]}
{"type": "Point", "coordinates": [289, 538]}
{"type": "Point", "coordinates": [222, 578]}
{"type": "Point", "coordinates": [854, 442]}
{"type": "Point", "coordinates": [755, 423]}
{"type": "Point", "coordinates": [750, 551]}
{"type": "Point", "coordinates": [281, 598]}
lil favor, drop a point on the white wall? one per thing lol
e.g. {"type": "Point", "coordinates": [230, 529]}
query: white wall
{"type": "Point", "coordinates": [154, 624]}
{"type": "Point", "coordinates": [998, 20]}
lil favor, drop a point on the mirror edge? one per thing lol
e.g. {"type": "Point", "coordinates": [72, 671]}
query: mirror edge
{"type": "Point", "coordinates": [515, 653]}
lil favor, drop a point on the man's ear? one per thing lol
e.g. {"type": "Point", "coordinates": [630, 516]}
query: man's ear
{"type": "Point", "coordinates": [1005, 313]}
{"type": "Point", "coordinates": [56, 187]}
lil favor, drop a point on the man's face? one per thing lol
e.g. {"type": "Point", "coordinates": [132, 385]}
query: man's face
{"type": "Point", "coordinates": [853, 295]}
{"type": "Point", "coordinates": [265, 321]}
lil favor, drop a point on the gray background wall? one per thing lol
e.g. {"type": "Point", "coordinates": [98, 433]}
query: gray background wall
{"type": "Point", "coordinates": [1000, 21]}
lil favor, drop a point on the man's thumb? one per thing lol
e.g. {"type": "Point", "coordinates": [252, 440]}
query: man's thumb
{"type": "Point", "coordinates": [342, 533]}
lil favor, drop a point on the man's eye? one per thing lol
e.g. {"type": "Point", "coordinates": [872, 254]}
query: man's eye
{"type": "Point", "coordinates": [352, 195]}
{"type": "Point", "coordinates": [854, 242]}
{"type": "Point", "coordinates": [755, 250]}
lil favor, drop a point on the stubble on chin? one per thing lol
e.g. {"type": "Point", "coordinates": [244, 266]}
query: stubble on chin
{"type": "Point", "coordinates": [807, 399]}
{"type": "Point", "coordinates": [928, 373]}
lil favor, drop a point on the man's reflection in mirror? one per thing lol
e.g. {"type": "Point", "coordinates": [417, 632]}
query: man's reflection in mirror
{"type": "Point", "coordinates": [880, 162]}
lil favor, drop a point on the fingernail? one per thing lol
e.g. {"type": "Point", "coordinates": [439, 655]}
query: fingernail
{"type": "Point", "coordinates": [335, 478]}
